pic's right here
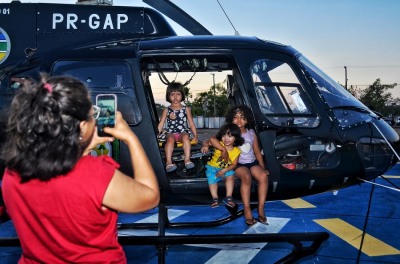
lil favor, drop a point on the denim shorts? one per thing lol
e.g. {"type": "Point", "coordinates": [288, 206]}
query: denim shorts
{"type": "Point", "coordinates": [211, 173]}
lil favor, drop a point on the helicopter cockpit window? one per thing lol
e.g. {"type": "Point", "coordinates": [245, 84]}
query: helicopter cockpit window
{"type": "Point", "coordinates": [280, 95]}
{"type": "Point", "coordinates": [106, 77]}
{"type": "Point", "coordinates": [347, 109]}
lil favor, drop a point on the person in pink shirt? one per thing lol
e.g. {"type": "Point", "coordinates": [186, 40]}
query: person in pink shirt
{"type": "Point", "coordinates": [63, 202]}
{"type": "Point", "coordinates": [250, 164]}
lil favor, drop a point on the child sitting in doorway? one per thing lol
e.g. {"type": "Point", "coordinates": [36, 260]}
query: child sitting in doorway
{"type": "Point", "coordinates": [228, 137]}
{"type": "Point", "coordinates": [177, 117]}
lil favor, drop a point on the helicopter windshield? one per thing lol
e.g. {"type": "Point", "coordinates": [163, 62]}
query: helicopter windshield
{"type": "Point", "coordinates": [334, 94]}
{"type": "Point", "coordinates": [346, 108]}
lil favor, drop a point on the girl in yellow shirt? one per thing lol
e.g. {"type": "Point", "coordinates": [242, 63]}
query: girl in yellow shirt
{"type": "Point", "coordinates": [217, 169]}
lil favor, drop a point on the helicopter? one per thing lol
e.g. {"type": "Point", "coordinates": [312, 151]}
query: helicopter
{"type": "Point", "coordinates": [315, 135]}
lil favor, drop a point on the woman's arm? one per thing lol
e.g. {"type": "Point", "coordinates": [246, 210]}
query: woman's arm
{"type": "Point", "coordinates": [127, 194]}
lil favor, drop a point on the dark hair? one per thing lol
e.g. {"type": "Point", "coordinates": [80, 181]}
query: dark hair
{"type": "Point", "coordinates": [231, 130]}
{"type": "Point", "coordinates": [245, 111]}
{"type": "Point", "coordinates": [174, 86]}
{"type": "Point", "coordinates": [43, 128]}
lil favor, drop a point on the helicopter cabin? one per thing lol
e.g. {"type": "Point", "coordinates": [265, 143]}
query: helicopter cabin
{"type": "Point", "coordinates": [315, 136]}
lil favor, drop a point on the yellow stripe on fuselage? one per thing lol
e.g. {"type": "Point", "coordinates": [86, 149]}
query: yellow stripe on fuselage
{"type": "Point", "coordinates": [372, 246]}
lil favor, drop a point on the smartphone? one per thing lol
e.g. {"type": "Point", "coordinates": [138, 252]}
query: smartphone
{"type": "Point", "coordinates": [108, 108]}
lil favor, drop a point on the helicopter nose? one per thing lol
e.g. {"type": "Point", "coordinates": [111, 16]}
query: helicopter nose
{"type": "Point", "coordinates": [377, 154]}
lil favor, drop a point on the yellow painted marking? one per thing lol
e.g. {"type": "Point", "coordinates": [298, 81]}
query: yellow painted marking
{"type": "Point", "coordinates": [298, 203]}
{"type": "Point", "coordinates": [372, 246]}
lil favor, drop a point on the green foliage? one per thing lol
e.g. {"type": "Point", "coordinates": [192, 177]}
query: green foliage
{"type": "Point", "coordinates": [377, 97]}
{"type": "Point", "coordinates": [355, 91]}
{"type": "Point", "coordinates": [203, 104]}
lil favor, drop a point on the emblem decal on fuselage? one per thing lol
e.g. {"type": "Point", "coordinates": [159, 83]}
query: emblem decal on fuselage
{"type": "Point", "coordinates": [5, 45]}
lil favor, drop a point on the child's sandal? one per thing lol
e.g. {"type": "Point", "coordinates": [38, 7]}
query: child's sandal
{"type": "Point", "coordinates": [228, 200]}
{"type": "Point", "coordinates": [215, 203]}
{"type": "Point", "coordinates": [189, 165]}
{"type": "Point", "coordinates": [171, 167]}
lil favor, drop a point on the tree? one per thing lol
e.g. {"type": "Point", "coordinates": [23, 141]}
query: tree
{"type": "Point", "coordinates": [377, 97]}
{"type": "Point", "coordinates": [188, 94]}
{"type": "Point", "coordinates": [203, 104]}
{"type": "Point", "coordinates": [355, 91]}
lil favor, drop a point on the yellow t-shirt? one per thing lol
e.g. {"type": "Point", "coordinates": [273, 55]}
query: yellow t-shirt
{"type": "Point", "coordinates": [216, 160]}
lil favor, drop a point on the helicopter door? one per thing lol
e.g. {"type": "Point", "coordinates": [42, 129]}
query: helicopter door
{"type": "Point", "coordinates": [287, 117]}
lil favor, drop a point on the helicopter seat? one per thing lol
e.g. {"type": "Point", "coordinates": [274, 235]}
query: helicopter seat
{"type": "Point", "coordinates": [161, 143]}
{"type": "Point", "coordinates": [177, 153]}
{"type": "Point", "coordinates": [178, 157]}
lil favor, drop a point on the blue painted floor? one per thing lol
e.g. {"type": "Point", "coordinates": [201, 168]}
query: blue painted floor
{"type": "Point", "coordinates": [366, 207]}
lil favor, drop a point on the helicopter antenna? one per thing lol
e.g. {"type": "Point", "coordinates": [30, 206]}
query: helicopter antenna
{"type": "Point", "coordinates": [236, 32]}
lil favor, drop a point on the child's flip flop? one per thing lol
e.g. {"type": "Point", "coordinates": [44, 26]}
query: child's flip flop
{"type": "Point", "coordinates": [189, 165]}
{"type": "Point", "coordinates": [171, 167]}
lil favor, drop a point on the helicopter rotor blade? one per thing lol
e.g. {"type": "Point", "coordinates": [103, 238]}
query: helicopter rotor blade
{"type": "Point", "coordinates": [179, 16]}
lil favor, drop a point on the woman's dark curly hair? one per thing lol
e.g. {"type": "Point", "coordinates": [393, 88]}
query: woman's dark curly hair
{"type": "Point", "coordinates": [231, 130]}
{"type": "Point", "coordinates": [245, 111]}
{"type": "Point", "coordinates": [43, 132]}
{"type": "Point", "coordinates": [174, 86]}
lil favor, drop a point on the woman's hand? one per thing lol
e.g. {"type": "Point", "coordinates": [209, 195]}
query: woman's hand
{"type": "Point", "coordinates": [121, 130]}
{"type": "Point", "coordinates": [96, 140]}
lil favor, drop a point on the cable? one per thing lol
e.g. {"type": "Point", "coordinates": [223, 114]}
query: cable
{"type": "Point", "coordinates": [374, 183]}
{"type": "Point", "coordinates": [365, 224]}
{"type": "Point", "coordinates": [383, 177]}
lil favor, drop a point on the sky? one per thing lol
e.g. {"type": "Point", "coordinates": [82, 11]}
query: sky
{"type": "Point", "coordinates": [363, 35]}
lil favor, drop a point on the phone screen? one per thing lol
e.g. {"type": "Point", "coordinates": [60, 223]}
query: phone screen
{"type": "Point", "coordinates": [108, 107]}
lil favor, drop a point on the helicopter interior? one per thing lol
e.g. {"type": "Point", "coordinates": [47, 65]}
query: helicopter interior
{"type": "Point", "coordinates": [158, 72]}
{"type": "Point", "coordinates": [282, 101]}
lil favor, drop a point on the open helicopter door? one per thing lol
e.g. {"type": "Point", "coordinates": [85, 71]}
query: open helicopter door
{"type": "Point", "coordinates": [288, 116]}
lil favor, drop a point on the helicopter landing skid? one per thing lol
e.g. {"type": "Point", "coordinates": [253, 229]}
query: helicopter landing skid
{"type": "Point", "coordinates": [296, 239]}
{"type": "Point", "coordinates": [161, 241]}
